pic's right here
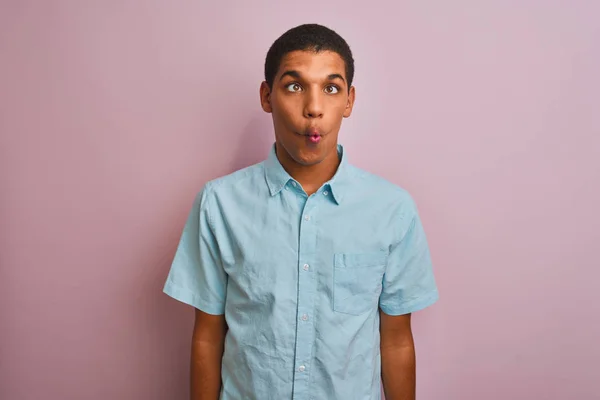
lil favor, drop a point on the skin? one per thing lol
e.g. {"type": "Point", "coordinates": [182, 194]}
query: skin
{"type": "Point", "coordinates": [309, 95]}
{"type": "Point", "coordinates": [208, 344]}
{"type": "Point", "coordinates": [398, 360]}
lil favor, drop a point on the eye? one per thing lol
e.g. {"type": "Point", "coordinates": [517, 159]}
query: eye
{"type": "Point", "coordinates": [332, 89]}
{"type": "Point", "coordinates": [294, 87]}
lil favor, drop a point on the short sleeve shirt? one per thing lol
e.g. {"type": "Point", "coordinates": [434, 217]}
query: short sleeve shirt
{"type": "Point", "coordinates": [300, 279]}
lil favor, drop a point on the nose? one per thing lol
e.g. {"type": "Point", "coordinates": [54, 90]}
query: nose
{"type": "Point", "coordinates": [313, 106]}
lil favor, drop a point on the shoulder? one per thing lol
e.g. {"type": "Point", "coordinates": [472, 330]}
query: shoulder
{"type": "Point", "coordinates": [392, 201]}
{"type": "Point", "coordinates": [237, 179]}
{"type": "Point", "coordinates": [381, 188]}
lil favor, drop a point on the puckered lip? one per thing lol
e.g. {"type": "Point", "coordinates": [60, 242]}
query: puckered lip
{"type": "Point", "coordinates": [311, 131]}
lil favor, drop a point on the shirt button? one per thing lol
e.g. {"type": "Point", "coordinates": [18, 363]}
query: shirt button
{"type": "Point", "coordinates": [293, 183]}
{"type": "Point", "coordinates": [305, 317]}
{"type": "Point", "coordinates": [307, 218]}
{"type": "Point", "coordinates": [326, 193]}
{"type": "Point", "coordinates": [301, 368]}
{"type": "Point", "coordinates": [306, 267]}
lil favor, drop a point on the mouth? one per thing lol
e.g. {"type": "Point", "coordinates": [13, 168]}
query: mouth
{"type": "Point", "coordinates": [310, 132]}
{"type": "Point", "coordinates": [313, 135]}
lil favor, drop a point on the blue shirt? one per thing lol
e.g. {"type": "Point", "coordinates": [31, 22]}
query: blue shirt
{"type": "Point", "coordinates": [301, 278]}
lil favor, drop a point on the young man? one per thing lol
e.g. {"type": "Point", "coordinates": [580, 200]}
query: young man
{"type": "Point", "coordinates": [303, 269]}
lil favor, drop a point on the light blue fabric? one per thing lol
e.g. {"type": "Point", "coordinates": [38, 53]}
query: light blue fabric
{"type": "Point", "coordinates": [300, 279]}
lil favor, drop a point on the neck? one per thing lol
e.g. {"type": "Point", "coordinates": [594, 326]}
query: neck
{"type": "Point", "coordinates": [311, 177]}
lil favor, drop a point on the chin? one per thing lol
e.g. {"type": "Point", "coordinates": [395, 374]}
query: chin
{"type": "Point", "coordinates": [309, 157]}
{"type": "Point", "coordinates": [302, 153]}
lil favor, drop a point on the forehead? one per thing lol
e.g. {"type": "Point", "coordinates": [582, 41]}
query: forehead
{"type": "Point", "coordinates": [313, 63]}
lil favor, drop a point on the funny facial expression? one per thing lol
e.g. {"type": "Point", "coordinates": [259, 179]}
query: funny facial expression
{"type": "Point", "coordinates": [308, 101]}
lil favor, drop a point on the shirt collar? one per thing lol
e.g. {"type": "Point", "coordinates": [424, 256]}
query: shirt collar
{"type": "Point", "coordinates": [277, 177]}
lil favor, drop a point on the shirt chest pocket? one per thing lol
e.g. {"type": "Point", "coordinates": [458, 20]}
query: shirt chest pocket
{"type": "Point", "coordinates": [357, 281]}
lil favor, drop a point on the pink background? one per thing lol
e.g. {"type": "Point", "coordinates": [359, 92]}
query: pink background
{"type": "Point", "coordinates": [114, 113]}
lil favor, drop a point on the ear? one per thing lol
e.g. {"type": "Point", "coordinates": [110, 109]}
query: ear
{"type": "Point", "coordinates": [265, 97]}
{"type": "Point", "coordinates": [350, 103]}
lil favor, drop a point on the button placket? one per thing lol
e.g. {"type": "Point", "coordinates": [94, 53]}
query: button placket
{"type": "Point", "coordinates": [306, 294]}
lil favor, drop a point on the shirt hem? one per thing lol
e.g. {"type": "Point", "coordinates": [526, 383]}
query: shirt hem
{"type": "Point", "coordinates": [411, 306]}
{"type": "Point", "coordinates": [186, 297]}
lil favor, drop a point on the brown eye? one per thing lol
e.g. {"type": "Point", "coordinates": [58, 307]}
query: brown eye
{"type": "Point", "coordinates": [331, 89]}
{"type": "Point", "coordinates": [294, 87]}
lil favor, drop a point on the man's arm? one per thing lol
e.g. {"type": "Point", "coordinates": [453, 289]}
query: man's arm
{"type": "Point", "coordinates": [397, 357]}
{"type": "Point", "coordinates": [208, 341]}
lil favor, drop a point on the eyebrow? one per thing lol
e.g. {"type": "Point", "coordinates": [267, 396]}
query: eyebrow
{"type": "Point", "coordinates": [296, 74]}
{"type": "Point", "coordinates": [336, 76]}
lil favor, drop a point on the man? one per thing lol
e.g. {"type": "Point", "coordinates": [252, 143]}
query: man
{"type": "Point", "coordinates": [303, 269]}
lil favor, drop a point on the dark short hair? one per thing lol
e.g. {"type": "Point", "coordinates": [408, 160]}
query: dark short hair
{"type": "Point", "coordinates": [308, 37]}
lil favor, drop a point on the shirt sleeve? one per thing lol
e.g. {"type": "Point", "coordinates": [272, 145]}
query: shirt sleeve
{"type": "Point", "coordinates": [408, 283]}
{"type": "Point", "coordinates": [197, 276]}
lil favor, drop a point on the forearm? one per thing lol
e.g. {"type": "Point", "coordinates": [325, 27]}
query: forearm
{"type": "Point", "coordinates": [398, 372]}
{"type": "Point", "coordinates": [206, 370]}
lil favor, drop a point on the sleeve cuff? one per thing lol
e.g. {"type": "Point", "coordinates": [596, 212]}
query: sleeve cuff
{"type": "Point", "coordinates": [411, 306]}
{"type": "Point", "coordinates": [189, 298]}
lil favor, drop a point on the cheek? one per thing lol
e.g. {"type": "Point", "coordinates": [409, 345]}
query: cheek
{"type": "Point", "coordinates": [336, 115]}
{"type": "Point", "coordinates": [338, 106]}
{"type": "Point", "coordinates": [286, 114]}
